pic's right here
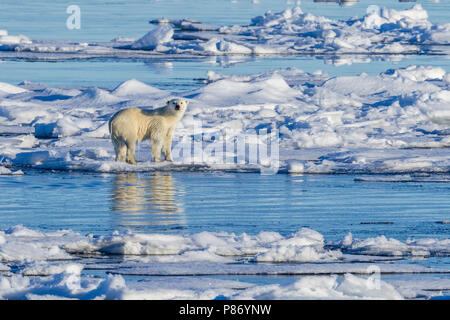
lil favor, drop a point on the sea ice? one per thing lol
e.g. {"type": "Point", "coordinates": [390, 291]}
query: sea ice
{"type": "Point", "coordinates": [324, 287]}
{"type": "Point", "coordinates": [291, 31]}
{"type": "Point", "coordinates": [151, 40]}
{"type": "Point", "coordinates": [393, 122]}
{"type": "Point", "coordinates": [10, 42]}
{"type": "Point", "coordinates": [392, 247]}
{"type": "Point", "coordinates": [50, 265]}
{"type": "Point", "coordinates": [5, 171]}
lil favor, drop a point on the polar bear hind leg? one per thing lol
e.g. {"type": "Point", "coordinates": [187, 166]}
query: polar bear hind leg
{"type": "Point", "coordinates": [125, 150]}
{"type": "Point", "coordinates": [121, 150]}
{"type": "Point", "coordinates": [131, 148]}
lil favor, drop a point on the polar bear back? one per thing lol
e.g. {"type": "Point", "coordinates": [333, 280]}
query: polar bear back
{"type": "Point", "coordinates": [139, 124]}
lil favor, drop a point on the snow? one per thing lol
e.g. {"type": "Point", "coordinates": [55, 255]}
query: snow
{"type": "Point", "coordinates": [9, 42]}
{"type": "Point", "coordinates": [392, 19]}
{"type": "Point", "coordinates": [296, 254]}
{"type": "Point", "coordinates": [265, 246]}
{"type": "Point", "coordinates": [70, 285]}
{"type": "Point", "coordinates": [135, 87]}
{"type": "Point", "coordinates": [50, 265]}
{"type": "Point", "coordinates": [392, 247]}
{"type": "Point", "coordinates": [325, 287]}
{"type": "Point", "coordinates": [6, 88]}
{"type": "Point", "coordinates": [5, 171]}
{"type": "Point", "coordinates": [154, 38]}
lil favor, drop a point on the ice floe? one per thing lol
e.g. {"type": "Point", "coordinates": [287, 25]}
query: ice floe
{"type": "Point", "coordinates": [10, 42]}
{"type": "Point", "coordinates": [393, 122]}
{"type": "Point", "coordinates": [5, 171]}
{"type": "Point", "coordinates": [393, 247]}
{"type": "Point", "coordinates": [71, 285]}
{"type": "Point", "coordinates": [55, 265]}
{"type": "Point", "coordinates": [153, 39]}
{"type": "Point", "coordinates": [324, 287]}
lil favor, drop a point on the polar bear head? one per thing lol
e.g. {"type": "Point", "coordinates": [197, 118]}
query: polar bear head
{"type": "Point", "coordinates": [178, 105]}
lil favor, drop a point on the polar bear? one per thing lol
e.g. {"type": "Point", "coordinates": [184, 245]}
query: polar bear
{"type": "Point", "coordinates": [129, 126]}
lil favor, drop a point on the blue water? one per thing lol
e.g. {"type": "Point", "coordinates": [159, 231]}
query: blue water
{"type": "Point", "coordinates": [186, 74]}
{"type": "Point", "coordinates": [106, 20]}
{"type": "Point", "coordinates": [182, 202]}
{"type": "Point", "coordinates": [191, 202]}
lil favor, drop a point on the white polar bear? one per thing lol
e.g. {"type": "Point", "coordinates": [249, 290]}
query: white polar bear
{"type": "Point", "coordinates": [129, 126]}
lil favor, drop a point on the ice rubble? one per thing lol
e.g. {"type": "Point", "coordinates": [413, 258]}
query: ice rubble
{"type": "Point", "coordinates": [5, 171]}
{"type": "Point", "coordinates": [306, 245]}
{"type": "Point", "coordinates": [396, 121]}
{"type": "Point", "coordinates": [393, 247]}
{"type": "Point", "coordinates": [71, 285]}
{"type": "Point", "coordinates": [10, 42]}
{"type": "Point", "coordinates": [46, 265]}
{"type": "Point", "coordinates": [153, 39]}
{"type": "Point", "coordinates": [351, 287]}
{"type": "Point", "coordinates": [291, 31]}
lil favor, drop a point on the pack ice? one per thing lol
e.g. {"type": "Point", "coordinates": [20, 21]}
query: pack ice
{"type": "Point", "coordinates": [291, 31]}
{"type": "Point", "coordinates": [50, 265]}
{"type": "Point", "coordinates": [396, 121]}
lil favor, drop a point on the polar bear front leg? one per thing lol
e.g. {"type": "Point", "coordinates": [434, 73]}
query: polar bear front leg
{"type": "Point", "coordinates": [156, 149]}
{"type": "Point", "coordinates": [167, 145]}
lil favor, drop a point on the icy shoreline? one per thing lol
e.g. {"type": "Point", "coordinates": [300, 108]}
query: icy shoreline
{"type": "Point", "coordinates": [50, 265]}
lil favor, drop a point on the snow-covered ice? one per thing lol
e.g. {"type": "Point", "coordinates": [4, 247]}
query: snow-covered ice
{"type": "Point", "coordinates": [55, 265]}
{"type": "Point", "coordinates": [393, 122]}
{"type": "Point", "coordinates": [9, 42]}
{"type": "Point", "coordinates": [392, 247]}
{"type": "Point", "coordinates": [5, 171]}
{"type": "Point", "coordinates": [153, 39]}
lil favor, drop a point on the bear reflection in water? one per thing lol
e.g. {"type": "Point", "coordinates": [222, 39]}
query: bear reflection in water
{"type": "Point", "coordinates": [139, 199]}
